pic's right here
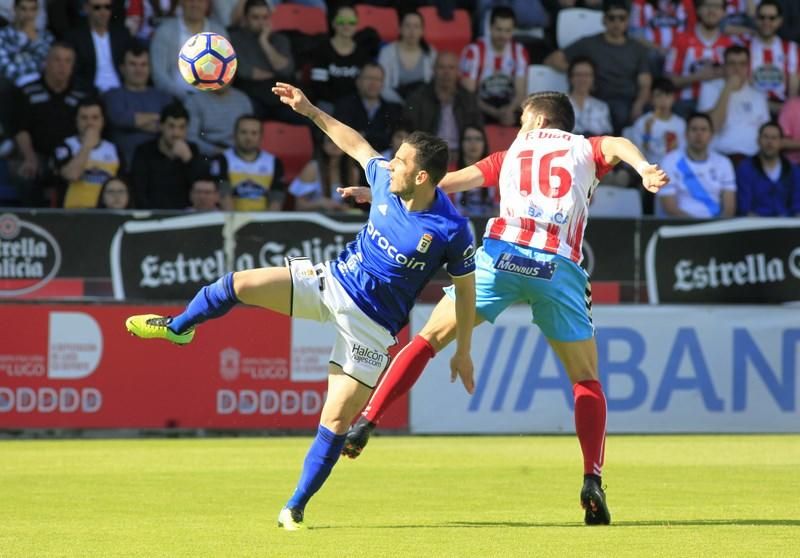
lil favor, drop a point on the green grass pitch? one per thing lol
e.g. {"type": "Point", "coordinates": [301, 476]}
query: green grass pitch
{"type": "Point", "coordinates": [670, 496]}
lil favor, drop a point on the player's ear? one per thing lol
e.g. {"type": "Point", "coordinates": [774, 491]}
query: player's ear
{"type": "Point", "coordinates": [422, 176]}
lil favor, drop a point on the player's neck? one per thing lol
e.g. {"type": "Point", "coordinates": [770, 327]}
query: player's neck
{"type": "Point", "coordinates": [421, 200]}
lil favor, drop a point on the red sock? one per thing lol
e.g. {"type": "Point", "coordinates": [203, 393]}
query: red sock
{"type": "Point", "coordinates": [405, 370]}
{"type": "Point", "coordinates": [590, 424]}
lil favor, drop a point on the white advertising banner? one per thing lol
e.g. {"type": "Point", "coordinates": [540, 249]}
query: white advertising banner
{"type": "Point", "coordinates": [664, 369]}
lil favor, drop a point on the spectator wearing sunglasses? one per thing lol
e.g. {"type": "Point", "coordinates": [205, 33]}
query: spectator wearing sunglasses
{"type": "Point", "coordinates": [337, 62]}
{"type": "Point", "coordinates": [623, 76]}
{"type": "Point", "coordinates": [774, 63]}
{"type": "Point", "coordinates": [99, 48]}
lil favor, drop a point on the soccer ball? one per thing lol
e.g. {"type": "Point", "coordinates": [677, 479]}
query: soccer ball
{"type": "Point", "coordinates": [207, 61]}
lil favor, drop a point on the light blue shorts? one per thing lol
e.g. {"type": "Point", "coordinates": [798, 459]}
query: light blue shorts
{"type": "Point", "coordinates": [561, 305]}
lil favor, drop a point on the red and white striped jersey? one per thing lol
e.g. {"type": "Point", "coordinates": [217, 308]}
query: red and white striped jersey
{"type": "Point", "coordinates": [660, 23]}
{"type": "Point", "coordinates": [690, 52]}
{"type": "Point", "coordinates": [546, 180]}
{"type": "Point", "coordinates": [771, 64]}
{"type": "Point", "coordinates": [494, 72]}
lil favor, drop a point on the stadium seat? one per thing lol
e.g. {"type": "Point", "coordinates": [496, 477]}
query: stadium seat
{"type": "Point", "coordinates": [499, 137]}
{"type": "Point", "coordinates": [383, 20]}
{"type": "Point", "coordinates": [296, 17]}
{"type": "Point", "coordinates": [291, 144]}
{"type": "Point", "coordinates": [616, 201]}
{"type": "Point", "coordinates": [575, 23]}
{"type": "Point", "coordinates": [545, 78]}
{"type": "Point", "coordinates": [443, 35]}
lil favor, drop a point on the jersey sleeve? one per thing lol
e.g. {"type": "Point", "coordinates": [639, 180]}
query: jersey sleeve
{"type": "Point", "coordinates": [601, 167]}
{"type": "Point", "coordinates": [727, 175]}
{"type": "Point", "coordinates": [490, 168]}
{"type": "Point", "coordinates": [377, 172]}
{"type": "Point", "coordinates": [61, 155]}
{"type": "Point", "coordinates": [461, 251]}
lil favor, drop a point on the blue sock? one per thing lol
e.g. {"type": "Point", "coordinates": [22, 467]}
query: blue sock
{"type": "Point", "coordinates": [320, 459]}
{"type": "Point", "coordinates": [212, 301]}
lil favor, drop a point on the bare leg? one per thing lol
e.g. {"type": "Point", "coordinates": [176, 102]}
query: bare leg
{"type": "Point", "coordinates": [440, 329]}
{"type": "Point", "coordinates": [345, 398]}
{"type": "Point", "coordinates": [267, 287]}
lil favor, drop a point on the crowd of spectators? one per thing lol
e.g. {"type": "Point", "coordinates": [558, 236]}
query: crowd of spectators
{"type": "Point", "coordinates": [93, 112]}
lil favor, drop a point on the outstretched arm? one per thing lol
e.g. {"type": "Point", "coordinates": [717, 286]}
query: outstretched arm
{"type": "Point", "coordinates": [461, 363]}
{"type": "Point", "coordinates": [617, 149]}
{"type": "Point", "coordinates": [465, 179]}
{"type": "Point", "coordinates": [342, 135]}
{"type": "Point", "coordinates": [456, 181]}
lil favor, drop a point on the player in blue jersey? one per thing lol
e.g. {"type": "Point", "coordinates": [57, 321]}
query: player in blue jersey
{"type": "Point", "coordinates": [367, 292]}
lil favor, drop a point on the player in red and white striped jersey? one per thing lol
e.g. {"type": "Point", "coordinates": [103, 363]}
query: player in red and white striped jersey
{"type": "Point", "coordinates": [697, 54]}
{"type": "Point", "coordinates": [774, 62]}
{"type": "Point", "coordinates": [659, 22]}
{"type": "Point", "coordinates": [530, 254]}
{"type": "Point", "coordinates": [495, 69]}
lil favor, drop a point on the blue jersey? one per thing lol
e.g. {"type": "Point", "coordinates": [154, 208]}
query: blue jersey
{"type": "Point", "coordinates": [398, 251]}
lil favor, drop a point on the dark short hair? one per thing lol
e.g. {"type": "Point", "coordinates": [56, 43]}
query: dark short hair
{"type": "Point", "coordinates": [735, 49]}
{"type": "Point", "coordinates": [61, 44]}
{"type": "Point", "coordinates": [135, 49]}
{"type": "Point", "coordinates": [205, 176]}
{"type": "Point", "coordinates": [371, 64]}
{"type": "Point", "coordinates": [580, 60]}
{"type": "Point", "coordinates": [555, 106]}
{"type": "Point", "coordinates": [770, 124]}
{"type": "Point", "coordinates": [244, 117]}
{"type": "Point", "coordinates": [664, 85]}
{"type": "Point", "coordinates": [91, 101]}
{"type": "Point", "coordinates": [609, 5]}
{"type": "Point", "coordinates": [432, 155]}
{"type": "Point", "coordinates": [774, 3]}
{"type": "Point", "coordinates": [701, 116]}
{"type": "Point", "coordinates": [18, 2]}
{"type": "Point", "coordinates": [250, 4]}
{"type": "Point", "coordinates": [502, 12]}
{"type": "Point", "coordinates": [174, 110]}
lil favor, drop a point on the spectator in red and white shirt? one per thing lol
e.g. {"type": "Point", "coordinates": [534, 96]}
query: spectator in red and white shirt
{"type": "Point", "coordinates": [495, 69]}
{"type": "Point", "coordinates": [696, 56]}
{"type": "Point", "coordinates": [658, 22]}
{"type": "Point", "coordinates": [774, 62]}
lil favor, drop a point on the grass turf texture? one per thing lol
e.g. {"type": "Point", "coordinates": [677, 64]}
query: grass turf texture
{"type": "Point", "coordinates": [406, 496]}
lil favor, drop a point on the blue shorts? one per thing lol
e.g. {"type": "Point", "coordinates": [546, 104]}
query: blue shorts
{"type": "Point", "coordinates": [561, 302]}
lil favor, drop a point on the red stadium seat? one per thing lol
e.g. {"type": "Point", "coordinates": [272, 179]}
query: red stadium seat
{"type": "Point", "coordinates": [499, 137]}
{"type": "Point", "coordinates": [296, 17]}
{"type": "Point", "coordinates": [290, 143]}
{"type": "Point", "coordinates": [382, 20]}
{"type": "Point", "coordinates": [444, 35]}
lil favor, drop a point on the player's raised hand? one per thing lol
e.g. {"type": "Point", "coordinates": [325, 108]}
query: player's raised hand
{"type": "Point", "coordinates": [294, 97]}
{"type": "Point", "coordinates": [361, 194]}
{"type": "Point", "coordinates": [461, 366]}
{"type": "Point", "coordinates": [654, 178]}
